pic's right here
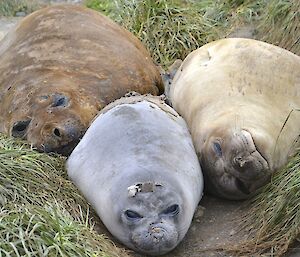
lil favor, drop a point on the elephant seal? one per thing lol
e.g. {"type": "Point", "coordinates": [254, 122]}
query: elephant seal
{"type": "Point", "coordinates": [241, 100]}
{"type": "Point", "coordinates": [138, 168]}
{"type": "Point", "coordinates": [59, 66]}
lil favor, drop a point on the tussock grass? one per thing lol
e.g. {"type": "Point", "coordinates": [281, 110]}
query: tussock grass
{"type": "Point", "coordinates": [31, 230]}
{"type": "Point", "coordinates": [11, 7]}
{"type": "Point", "coordinates": [41, 212]}
{"type": "Point", "coordinates": [274, 217]}
{"type": "Point", "coordinates": [280, 24]}
{"type": "Point", "coordinates": [24, 172]}
{"type": "Point", "coordinates": [171, 29]}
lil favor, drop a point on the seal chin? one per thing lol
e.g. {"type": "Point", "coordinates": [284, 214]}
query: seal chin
{"type": "Point", "coordinates": [157, 240]}
{"type": "Point", "coordinates": [233, 165]}
{"type": "Point", "coordinates": [234, 188]}
{"type": "Point", "coordinates": [65, 149]}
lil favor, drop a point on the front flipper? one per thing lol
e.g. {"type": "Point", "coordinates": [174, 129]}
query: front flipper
{"type": "Point", "coordinates": [167, 77]}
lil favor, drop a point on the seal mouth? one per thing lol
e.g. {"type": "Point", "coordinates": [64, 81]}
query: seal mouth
{"type": "Point", "coordinates": [64, 150]}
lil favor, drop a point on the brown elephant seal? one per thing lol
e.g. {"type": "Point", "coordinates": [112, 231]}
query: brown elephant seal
{"type": "Point", "coordinates": [60, 66]}
{"type": "Point", "coordinates": [241, 101]}
{"type": "Point", "coordinates": [137, 166]}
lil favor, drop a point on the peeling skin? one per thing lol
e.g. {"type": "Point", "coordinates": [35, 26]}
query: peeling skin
{"type": "Point", "coordinates": [73, 53]}
{"type": "Point", "coordinates": [237, 97]}
{"type": "Point", "coordinates": [144, 187]}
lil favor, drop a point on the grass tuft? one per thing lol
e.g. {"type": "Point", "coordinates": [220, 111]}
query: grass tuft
{"type": "Point", "coordinates": [41, 212]}
{"type": "Point", "coordinates": [172, 29]}
{"type": "Point", "coordinates": [169, 29]}
{"type": "Point", "coordinates": [280, 24]}
{"type": "Point", "coordinates": [274, 218]}
{"type": "Point", "coordinates": [11, 7]}
{"type": "Point", "coordinates": [49, 230]}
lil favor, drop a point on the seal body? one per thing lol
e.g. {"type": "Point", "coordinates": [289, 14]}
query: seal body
{"type": "Point", "coordinates": [137, 167]}
{"type": "Point", "coordinates": [60, 66]}
{"type": "Point", "coordinates": [241, 99]}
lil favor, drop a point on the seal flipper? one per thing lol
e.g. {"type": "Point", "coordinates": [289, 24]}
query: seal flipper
{"type": "Point", "coordinates": [167, 77]}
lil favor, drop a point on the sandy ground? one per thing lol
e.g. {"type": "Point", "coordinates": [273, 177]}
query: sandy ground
{"type": "Point", "coordinates": [216, 220]}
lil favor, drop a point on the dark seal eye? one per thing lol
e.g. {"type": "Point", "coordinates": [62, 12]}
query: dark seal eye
{"type": "Point", "coordinates": [59, 101]}
{"type": "Point", "coordinates": [132, 215]}
{"type": "Point", "coordinates": [19, 128]}
{"type": "Point", "coordinates": [218, 149]}
{"type": "Point", "coordinates": [172, 210]}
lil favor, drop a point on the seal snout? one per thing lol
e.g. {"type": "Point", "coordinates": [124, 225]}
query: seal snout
{"type": "Point", "coordinates": [160, 238]}
{"type": "Point", "coordinates": [248, 160]}
{"type": "Point", "coordinates": [157, 233]}
{"type": "Point", "coordinates": [62, 137]}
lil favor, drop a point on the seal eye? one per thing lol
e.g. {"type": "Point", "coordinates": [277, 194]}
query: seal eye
{"type": "Point", "coordinates": [43, 98]}
{"type": "Point", "coordinates": [132, 215]}
{"type": "Point", "coordinates": [59, 100]}
{"type": "Point", "coordinates": [172, 210]}
{"type": "Point", "coordinates": [217, 149]}
{"type": "Point", "coordinates": [19, 128]}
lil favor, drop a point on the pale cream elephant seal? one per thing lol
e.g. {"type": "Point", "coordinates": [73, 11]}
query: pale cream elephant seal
{"type": "Point", "coordinates": [241, 101]}
{"type": "Point", "coordinates": [138, 168]}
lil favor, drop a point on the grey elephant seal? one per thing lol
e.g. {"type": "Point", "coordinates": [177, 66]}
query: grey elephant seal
{"type": "Point", "coordinates": [59, 67]}
{"type": "Point", "coordinates": [241, 100]}
{"type": "Point", "coordinates": [138, 168]}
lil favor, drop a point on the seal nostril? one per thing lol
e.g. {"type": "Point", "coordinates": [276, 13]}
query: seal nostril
{"type": "Point", "coordinates": [56, 132]}
{"type": "Point", "coordinates": [19, 128]}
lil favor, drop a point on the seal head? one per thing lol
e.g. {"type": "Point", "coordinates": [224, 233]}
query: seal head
{"type": "Point", "coordinates": [234, 167]}
{"type": "Point", "coordinates": [152, 218]}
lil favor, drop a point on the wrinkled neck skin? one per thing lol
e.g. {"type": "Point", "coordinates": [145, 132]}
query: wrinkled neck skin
{"type": "Point", "coordinates": [165, 214]}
